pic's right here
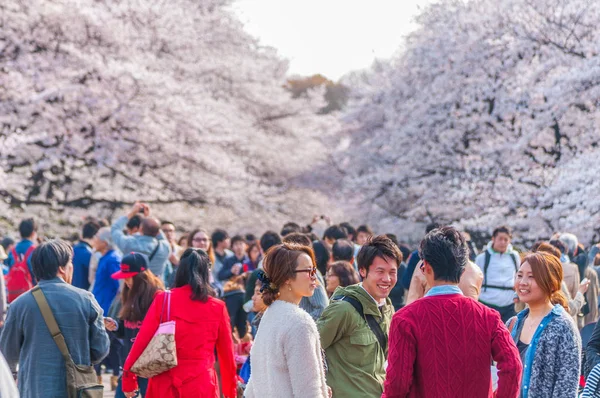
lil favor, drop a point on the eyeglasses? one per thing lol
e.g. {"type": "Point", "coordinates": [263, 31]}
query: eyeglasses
{"type": "Point", "coordinates": [311, 271]}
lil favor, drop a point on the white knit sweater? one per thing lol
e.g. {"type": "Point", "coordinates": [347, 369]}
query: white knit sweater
{"type": "Point", "coordinates": [286, 356]}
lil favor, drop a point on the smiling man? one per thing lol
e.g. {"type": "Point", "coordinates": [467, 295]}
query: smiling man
{"type": "Point", "coordinates": [354, 327]}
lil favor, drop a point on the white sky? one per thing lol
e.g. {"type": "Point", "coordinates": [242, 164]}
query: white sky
{"type": "Point", "coordinates": [330, 37]}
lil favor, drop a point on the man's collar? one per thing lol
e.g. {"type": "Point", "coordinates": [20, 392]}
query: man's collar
{"type": "Point", "coordinates": [379, 304]}
{"type": "Point", "coordinates": [443, 289]}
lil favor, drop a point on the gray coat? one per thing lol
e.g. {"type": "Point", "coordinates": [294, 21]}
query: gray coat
{"type": "Point", "coordinates": [142, 244]}
{"type": "Point", "coordinates": [556, 354]}
{"type": "Point", "coordinates": [26, 340]}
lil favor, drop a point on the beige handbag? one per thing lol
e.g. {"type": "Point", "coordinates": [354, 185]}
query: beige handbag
{"type": "Point", "coordinates": [160, 355]}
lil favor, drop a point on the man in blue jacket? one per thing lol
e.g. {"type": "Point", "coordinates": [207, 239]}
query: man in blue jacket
{"type": "Point", "coordinates": [26, 340]}
{"type": "Point", "coordinates": [82, 253]}
{"type": "Point", "coordinates": [152, 242]}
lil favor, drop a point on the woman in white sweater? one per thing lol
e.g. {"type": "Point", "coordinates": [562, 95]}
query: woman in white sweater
{"type": "Point", "coordinates": [286, 355]}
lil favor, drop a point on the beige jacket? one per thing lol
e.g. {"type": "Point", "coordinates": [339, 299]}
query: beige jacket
{"type": "Point", "coordinates": [470, 283]}
{"type": "Point", "coordinates": [571, 277]}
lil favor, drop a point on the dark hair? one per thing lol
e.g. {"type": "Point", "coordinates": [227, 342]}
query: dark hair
{"type": "Point", "coordinates": [136, 301]}
{"type": "Point", "coordinates": [218, 236]}
{"type": "Point", "coordinates": [431, 226]}
{"type": "Point", "coordinates": [322, 255]}
{"type": "Point", "coordinates": [547, 248]}
{"type": "Point", "coordinates": [312, 236]}
{"type": "Point", "coordinates": [279, 265]}
{"type": "Point", "coordinates": [345, 273]}
{"type": "Point", "coordinates": [237, 238]}
{"type": "Point", "coordinates": [290, 227]}
{"type": "Point", "coordinates": [379, 246]}
{"type": "Point", "coordinates": [446, 250]}
{"type": "Point", "coordinates": [150, 227]}
{"type": "Point", "coordinates": [48, 257]}
{"type": "Point", "coordinates": [405, 251]}
{"type": "Point", "coordinates": [193, 270]}
{"type": "Point", "coordinates": [249, 249]}
{"type": "Point", "coordinates": [502, 230]}
{"type": "Point", "coordinates": [134, 222]}
{"type": "Point", "coordinates": [349, 229]}
{"type": "Point", "coordinates": [335, 232]}
{"type": "Point", "coordinates": [394, 239]}
{"type": "Point", "coordinates": [559, 245]}
{"type": "Point", "coordinates": [298, 238]}
{"type": "Point", "coordinates": [166, 222]}
{"type": "Point", "coordinates": [27, 227]}
{"type": "Point", "coordinates": [90, 229]}
{"type": "Point", "coordinates": [343, 250]}
{"type": "Point", "coordinates": [250, 238]}
{"type": "Point", "coordinates": [269, 239]}
{"type": "Point", "coordinates": [365, 229]}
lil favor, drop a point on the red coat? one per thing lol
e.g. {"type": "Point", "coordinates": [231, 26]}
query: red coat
{"type": "Point", "coordinates": [442, 346]}
{"type": "Point", "coordinates": [199, 329]}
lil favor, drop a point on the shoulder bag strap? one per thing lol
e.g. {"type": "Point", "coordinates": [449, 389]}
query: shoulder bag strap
{"type": "Point", "coordinates": [371, 321]}
{"type": "Point", "coordinates": [166, 299]}
{"type": "Point", "coordinates": [154, 251]}
{"type": "Point", "coordinates": [59, 339]}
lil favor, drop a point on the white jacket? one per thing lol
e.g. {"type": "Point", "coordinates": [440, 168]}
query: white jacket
{"type": "Point", "coordinates": [286, 356]}
{"type": "Point", "coordinates": [501, 272]}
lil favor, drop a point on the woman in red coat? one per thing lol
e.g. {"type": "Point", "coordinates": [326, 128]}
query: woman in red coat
{"type": "Point", "coordinates": [201, 325]}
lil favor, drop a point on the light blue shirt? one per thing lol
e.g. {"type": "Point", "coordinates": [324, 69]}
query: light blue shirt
{"type": "Point", "coordinates": [443, 289]}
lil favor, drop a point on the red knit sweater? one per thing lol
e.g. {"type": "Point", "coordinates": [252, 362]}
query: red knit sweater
{"type": "Point", "coordinates": [442, 346]}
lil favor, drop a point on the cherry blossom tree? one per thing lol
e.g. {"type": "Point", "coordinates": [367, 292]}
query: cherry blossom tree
{"type": "Point", "coordinates": [106, 102]}
{"type": "Point", "coordinates": [488, 116]}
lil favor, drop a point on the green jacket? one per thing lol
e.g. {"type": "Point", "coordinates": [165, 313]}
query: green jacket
{"type": "Point", "coordinates": [355, 359]}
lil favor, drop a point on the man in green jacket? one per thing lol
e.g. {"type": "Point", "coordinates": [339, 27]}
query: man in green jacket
{"type": "Point", "coordinates": [356, 352]}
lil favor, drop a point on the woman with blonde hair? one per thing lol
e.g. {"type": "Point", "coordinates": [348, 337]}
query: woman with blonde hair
{"type": "Point", "coordinates": [545, 334]}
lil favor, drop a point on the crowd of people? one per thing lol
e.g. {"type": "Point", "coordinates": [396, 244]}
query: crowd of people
{"type": "Point", "coordinates": [346, 313]}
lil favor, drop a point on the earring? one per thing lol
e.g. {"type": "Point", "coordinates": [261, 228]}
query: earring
{"type": "Point", "coordinates": [290, 287]}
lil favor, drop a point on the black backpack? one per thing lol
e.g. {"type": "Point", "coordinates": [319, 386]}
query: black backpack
{"type": "Point", "coordinates": [371, 321]}
{"type": "Point", "coordinates": [488, 257]}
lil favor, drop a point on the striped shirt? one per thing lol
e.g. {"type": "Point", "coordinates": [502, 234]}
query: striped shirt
{"type": "Point", "coordinates": [591, 384]}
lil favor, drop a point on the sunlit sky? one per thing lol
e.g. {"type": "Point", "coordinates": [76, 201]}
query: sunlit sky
{"type": "Point", "coordinates": [331, 37]}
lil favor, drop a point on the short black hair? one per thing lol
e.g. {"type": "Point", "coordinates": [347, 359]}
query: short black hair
{"type": "Point", "coordinates": [349, 229]}
{"type": "Point", "coordinates": [135, 222]}
{"type": "Point", "coordinates": [89, 229]}
{"type": "Point", "coordinates": [48, 257]}
{"type": "Point", "coordinates": [502, 230]}
{"type": "Point", "coordinates": [343, 250]}
{"type": "Point", "coordinates": [364, 228]}
{"type": "Point", "coordinates": [446, 250]}
{"type": "Point", "coordinates": [193, 270]}
{"type": "Point", "coordinates": [218, 236]}
{"type": "Point", "coordinates": [237, 238]}
{"type": "Point", "coordinates": [290, 227]}
{"type": "Point", "coordinates": [431, 226]}
{"type": "Point", "coordinates": [298, 238]}
{"type": "Point", "coordinates": [165, 222]}
{"type": "Point", "coordinates": [405, 251]}
{"type": "Point", "coordinates": [335, 232]}
{"type": "Point", "coordinates": [27, 227]}
{"type": "Point", "coordinates": [322, 255]}
{"type": "Point", "coordinates": [269, 239]}
{"type": "Point", "coordinates": [379, 246]}
{"type": "Point", "coordinates": [250, 238]}
{"type": "Point", "coordinates": [394, 239]}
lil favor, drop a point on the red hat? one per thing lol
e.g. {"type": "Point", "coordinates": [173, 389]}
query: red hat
{"type": "Point", "coordinates": [131, 265]}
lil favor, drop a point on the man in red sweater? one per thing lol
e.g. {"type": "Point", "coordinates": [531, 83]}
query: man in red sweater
{"type": "Point", "coordinates": [442, 344]}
